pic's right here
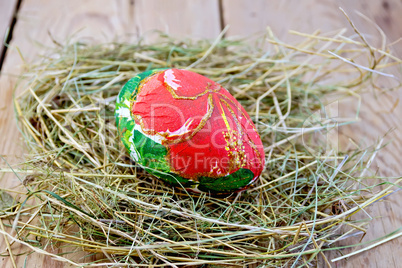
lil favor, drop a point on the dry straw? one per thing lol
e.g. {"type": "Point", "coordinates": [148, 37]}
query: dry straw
{"type": "Point", "coordinates": [84, 194]}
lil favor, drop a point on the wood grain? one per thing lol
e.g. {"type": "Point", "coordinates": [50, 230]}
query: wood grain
{"type": "Point", "coordinates": [42, 21]}
{"type": "Point", "coordinates": [7, 9]}
{"type": "Point", "coordinates": [281, 16]}
{"type": "Point", "coordinates": [37, 20]}
{"type": "Point", "coordinates": [179, 18]}
{"type": "Point", "coordinates": [385, 13]}
{"type": "Point", "coordinates": [380, 111]}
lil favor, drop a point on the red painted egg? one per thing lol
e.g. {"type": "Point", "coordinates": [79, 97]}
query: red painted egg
{"type": "Point", "coordinates": [188, 130]}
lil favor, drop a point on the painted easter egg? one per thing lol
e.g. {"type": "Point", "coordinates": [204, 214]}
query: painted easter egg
{"type": "Point", "coordinates": [189, 131]}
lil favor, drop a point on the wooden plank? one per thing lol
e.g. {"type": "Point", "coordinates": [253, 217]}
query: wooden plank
{"type": "Point", "coordinates": [379, 113]}
{"type": "Point", "coordinates": [180, 18]}
{"type": "Point", "coordinates": [40, 21]}
{"type": "Point", "coordinates": [6, 17]}
{"type": "Point", "coordinates": [96, 20]}
{"type": "Point", "coordinates": [310, 15]}
{"type": "Point", "coordinates": [246, 19]}
{"type": "Point", "coordinates": [386, 14]}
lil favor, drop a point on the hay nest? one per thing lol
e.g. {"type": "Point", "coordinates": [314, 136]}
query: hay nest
{"type": "Point", "coordinates": [84, 193]}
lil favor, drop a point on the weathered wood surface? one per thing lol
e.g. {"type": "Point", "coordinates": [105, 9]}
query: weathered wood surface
{"type": "Point", "coordinates": [379, 114]}
{"type": "Point", "coordinates": [102, 20]}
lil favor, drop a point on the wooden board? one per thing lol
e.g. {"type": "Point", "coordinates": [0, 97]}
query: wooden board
{"type": "Point", "coordinates": [281, 16]}
{"type": "Point", "coordinates": [40, 21]}
{"type": "Point", "coordinates": [7, 9]}
{"type": "Point", "coordinates": [379, 114]}
{"type": "Point", "coordinates": [181, 19]}
{"type": "Point", "coordinates": [386, 14]}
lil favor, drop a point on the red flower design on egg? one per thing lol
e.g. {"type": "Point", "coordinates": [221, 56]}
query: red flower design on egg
{"type": "Point", "coordinates": [204, 128]}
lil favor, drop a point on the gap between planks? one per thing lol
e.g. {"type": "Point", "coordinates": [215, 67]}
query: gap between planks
{"type": "Point", "coordinates": [9, 32]}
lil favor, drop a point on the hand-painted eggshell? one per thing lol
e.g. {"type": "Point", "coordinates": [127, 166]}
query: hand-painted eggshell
{"type": "Point", "coordinates": [189, 131]}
